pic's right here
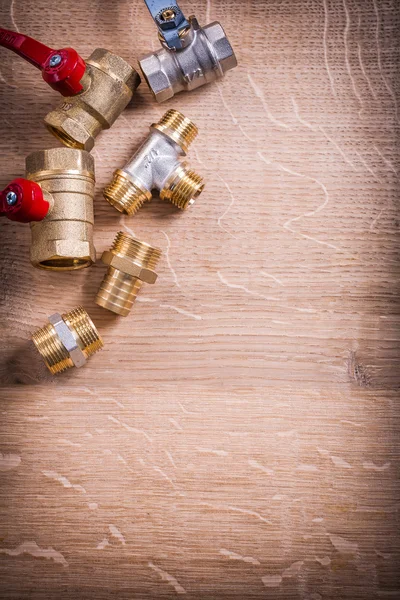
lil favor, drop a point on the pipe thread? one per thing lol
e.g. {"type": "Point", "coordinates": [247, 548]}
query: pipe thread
{"type": "Point", "coordinates": [178, 127]}
{"type": "Point", "coordinates": [183, 190]}
{"type": "Point", "coordinates": [140, 252]}
{"type": "Point", "coordinates": [124, 194]}
{"type": "Point", "coordinates": [54, 353]}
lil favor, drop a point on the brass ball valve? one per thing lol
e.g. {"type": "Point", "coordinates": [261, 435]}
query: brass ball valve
{"type": "Point", "coordinates": [57, 199]}
{"type": "Point", "coordinates": [191, 55]}
{"type": "Point", "coordinates": [96, 91]}
{"type": "Point", "coordinates": [157, 166]}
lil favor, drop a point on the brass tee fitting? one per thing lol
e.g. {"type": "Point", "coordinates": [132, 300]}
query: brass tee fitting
{"type": "Point", "coordinates": [130, 263]}
{"type": "Point", "coordinates": [157, 165]}
{"type": "Point", "coordinates": [68, 340]}
{"type": "Point", "coordinates": [108, 85]}
{"type": "Point", "coordinates": [63, 240]}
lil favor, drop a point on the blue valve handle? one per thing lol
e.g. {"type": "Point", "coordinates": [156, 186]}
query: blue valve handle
{"type": "Point", "coordinates": [170, 28]}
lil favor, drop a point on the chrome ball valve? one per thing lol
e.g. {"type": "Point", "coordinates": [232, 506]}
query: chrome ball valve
{"type": "Point", "coordinates": [191, 55]}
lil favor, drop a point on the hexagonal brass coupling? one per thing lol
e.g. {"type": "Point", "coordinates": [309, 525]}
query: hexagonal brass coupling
{"type": "Point", "coordinates": [157, 166]}
{"type": "Point", "coordinates": [130, 263]}
{"type": "Point", "coordinates": [63, 240]}
{"type": "Point", "coordinates": [108, 85]}
{"type": "Point", "coordinates": [68, 340]}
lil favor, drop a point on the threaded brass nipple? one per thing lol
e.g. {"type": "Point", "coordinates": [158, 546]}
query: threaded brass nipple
{"type": "Point", "coordinates": [183, 187]}
{"type": "Point", "coordinates": [68, 340]}
{"type": "Point", "coordinates": [130, 263]}
{"type": "Point", "coordinates": [125, 195]}
{"type": "Point", "coordinates": [181, 129]}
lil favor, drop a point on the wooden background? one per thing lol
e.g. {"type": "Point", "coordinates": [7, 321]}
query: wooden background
{"type": "Point", "coordinates": [238, 435]}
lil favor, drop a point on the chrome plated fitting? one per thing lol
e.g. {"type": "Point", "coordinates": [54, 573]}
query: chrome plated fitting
{"type": "Point", "coordinates": [108, 85]}
{"type": "Point", "coordinates": [204, 56]}
{"type": "Point", "coordinates": [130, 263]}
{"type": "Point", "coordinates": [68, 341]}
{"type": "Point", "coordinates": [156, 165]}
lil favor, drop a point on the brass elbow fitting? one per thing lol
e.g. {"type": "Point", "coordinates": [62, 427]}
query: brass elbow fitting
{"type": "Point", "coordinates": [108, 85]}
{"type": "Point", "coordinates": [67, 341]}
{"type": "Point", "coordinates": [157, 165]}
{"type": "Point", "coordinates": [130, 263]}
{"type": "Point", "coordinates": [205, 56]}
{"type": "Point", "coordinates": [63, 240]}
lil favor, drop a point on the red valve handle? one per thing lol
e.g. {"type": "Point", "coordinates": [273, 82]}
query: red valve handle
{"type": "Point", "coordinates": [61, 69]}
{"type": "Point", "coordinates": [22, 200]}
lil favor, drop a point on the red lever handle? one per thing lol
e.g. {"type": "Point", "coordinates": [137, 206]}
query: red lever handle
{"type": "Point", "coordinates": [61, 69]}
{"type": "Point", "coordinates": [22, 200]}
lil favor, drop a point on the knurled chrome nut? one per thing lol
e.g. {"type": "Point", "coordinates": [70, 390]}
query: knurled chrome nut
{"type": "Point", "coordinates": [68, 340]}
{"type": "Point", "coordinates": [127, 266]}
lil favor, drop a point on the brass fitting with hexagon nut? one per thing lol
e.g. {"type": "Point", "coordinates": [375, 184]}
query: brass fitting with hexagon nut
{"type": "Point", "coordinates": [157, 166]}
{"type": "Point", "coordinates": [130, 264]}
{"type": "Point", "coordinates": [56, 198]}
{"type": "Point", "coordinates": [67, 341]}
{"type": "Point", "coordinates": [108, 86]}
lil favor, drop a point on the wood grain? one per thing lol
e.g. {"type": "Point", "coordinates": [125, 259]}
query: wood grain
{"type": "Point", "coordinates": [238, 435]}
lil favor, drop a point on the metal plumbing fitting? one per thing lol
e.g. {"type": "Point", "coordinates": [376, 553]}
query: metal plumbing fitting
{"type": "Point", "coordinates": [96, 91]}
{"type": "Point", "coordinates": [68, 341]}
{"type": "Point", "coordinates": [57, 200]}
{"type": "Point", "coordinates": [157, 165]}
{"type": "Point", "coordinates": [130, 263]}
{"type": "Point", "coordinates": [191, 55]}
{"type": "Point", "coordinates": [108, 85]}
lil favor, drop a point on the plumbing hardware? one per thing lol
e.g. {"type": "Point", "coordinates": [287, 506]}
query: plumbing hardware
{"type": "Point", "coordinates": [96, 90]}
{"type": "Point", "coordinates": [57, 200]}
{"type": "Point", "coordinates": [191, 55]}
{"type": "Point", "coordinates": [157, 165]}
{"type": "Point", "coordinates": [67, 341]}
{"type": "Point", "coordinates": [130, 263]}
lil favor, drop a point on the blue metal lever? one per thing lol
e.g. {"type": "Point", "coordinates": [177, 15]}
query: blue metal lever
{"type": "Point", "coordinates": [170, 27]}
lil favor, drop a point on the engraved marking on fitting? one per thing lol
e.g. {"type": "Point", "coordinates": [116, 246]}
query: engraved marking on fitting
{"type": "Point", "coordinates": [150, 157]}
{"type": "Point", "coordinates": [189, 77]}
{"type": "Point", "coordinates": [67, 339]}
{"type": "Point", "coordinates": [66, 106]}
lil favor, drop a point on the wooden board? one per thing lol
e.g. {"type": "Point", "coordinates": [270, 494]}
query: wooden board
{"type": "Point", "coordinates": [238, 435]}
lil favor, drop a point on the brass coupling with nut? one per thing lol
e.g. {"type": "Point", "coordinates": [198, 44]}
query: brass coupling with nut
{"type": "Point", "coordinates": [130, 264]}
{"type": "Point", "coordinates": [108, 85]}
{"type": "Point", "coordinates": [56, 198]}
{"type": "Point", "coordinates": [157, 166]}
{"type": "Point", "coordinates": [67, 341]}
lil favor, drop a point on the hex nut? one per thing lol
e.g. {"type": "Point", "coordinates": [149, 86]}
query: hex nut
{"type": "Point", "coordinates": [68, 340]}
{"type": "Point", "coordinates": [156, 78]}
{"type": "Point", "coordinates": [127, 266]}
{"type": "Point", "coordinates": [222, 48]}
{"type": "Point", "coordinates": [69, 131]}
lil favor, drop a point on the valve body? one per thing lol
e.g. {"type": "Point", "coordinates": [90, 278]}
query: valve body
{"type": "Point", "coordinates": [157, 165]}
{"type": "Point", "coordinates": [108, 85]}
{"type": "Point", "coordinates": [68, 340]}
{"type": "Point", "coordinates": [63, 240]}
{"type": "Point", "coordinates": [205, 57]}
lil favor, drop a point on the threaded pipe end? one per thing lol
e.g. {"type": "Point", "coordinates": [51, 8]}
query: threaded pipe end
{"type": "Point", "coordinates": [130, 263]}
{"type": "Point", "coordinates": [124, 194]}
{"type": "Point", "coordinates": [183, 188]}
{"type": "Point", "coordinates": [181, 129]}
{"type": "Point", "coordinates": [50, 346]}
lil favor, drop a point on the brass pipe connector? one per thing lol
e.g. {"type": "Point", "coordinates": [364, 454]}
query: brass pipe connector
{"type": "Point", "coordinates": [68, 340]}
{"type": "Point", "coordinates": [130, 263]}
{"type": "Point", "coordinates": [63, 240]}
{"type": "Point", "coordinates": [108, 85]}
{"type": "Point", "coordinates": [157, 165]}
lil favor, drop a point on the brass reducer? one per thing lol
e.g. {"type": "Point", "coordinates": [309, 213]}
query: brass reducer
{"type": "Point", "coordinates": [68, 340]}
{"type": "Point", "coordinates": [63, 240]}
{"type": "Point", "coordinates": [108, 85]}
{"type": "Point", "coordinates": [157, 166]}
{"type": "Point", "coordinates": [130, 263]}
